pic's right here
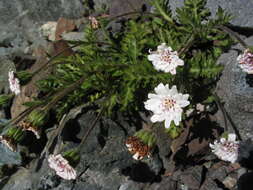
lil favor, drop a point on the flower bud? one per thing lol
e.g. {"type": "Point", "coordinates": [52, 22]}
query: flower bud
{"type": "Point", "coordinates": [37, 118]}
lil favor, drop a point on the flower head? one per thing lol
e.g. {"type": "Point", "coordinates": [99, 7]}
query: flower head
{"type": "Point", "coordinates": [14, 83]}
{"type": "Point", "coordinates": [137, 148]}
{"type": "Point", "coordinates": [9, 142]}
{"type": "Point", "coordinates": [246, 61]}
{"type": "Point", "coordinates": [164, 59]}
{"type": "Point", "coordinates": [166, 104]}
{"type": "Point", "coordinates": [61, 167]}
{"type": "Point", "coordinates": [226, 149]}
{"type": "Point", "coordinates": [94, 22]}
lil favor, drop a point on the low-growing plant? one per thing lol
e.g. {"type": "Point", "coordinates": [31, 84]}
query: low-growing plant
{"type": "Point", "coordinates": [112, 70]}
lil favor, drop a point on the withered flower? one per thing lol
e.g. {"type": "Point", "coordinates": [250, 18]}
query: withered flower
{"type": "Point", "coordinates": [137, 148]}
{"type": "Point", "coordinates": [9, 142]}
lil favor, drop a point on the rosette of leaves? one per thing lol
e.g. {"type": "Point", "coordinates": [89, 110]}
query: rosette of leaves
{"type": "Point", "coordinates": [111, 68]}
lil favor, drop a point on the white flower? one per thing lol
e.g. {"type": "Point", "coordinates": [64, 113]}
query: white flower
{"type": "Point", "coordinates": [166, 104]}
{"type": "Point", "coordinates": [94, 22]}
{"type": "Point", "coordinates": [164, 59]}
{"type": "Point", "coordinates": [61, 167]}
{"type": "Point", "coordinates": [226, 149]}
{"type": "Point", "coordinates": [246, 61]}
{"type": "Point", "coordinates": [14, 83]}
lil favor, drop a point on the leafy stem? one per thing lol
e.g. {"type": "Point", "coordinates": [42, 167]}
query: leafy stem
{"type": "Point", "coordinates": [45, 65]}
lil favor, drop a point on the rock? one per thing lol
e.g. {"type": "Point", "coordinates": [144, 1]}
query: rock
{"type": "Point", "coordinates": [73, 36]}
{"type": "Point", "coordinates": [5, 66]}
{"type": "Point", "coordinates": [21, 180]}
{"type": "Point", "coordinates": [101, 5]}
{"type": "Point", "coordinates": [48, 30]}
{"type": "Point", "coordinates": [242, 10]}
{"type": "Point", "coordinates": [20, 22]}
{"type": "Point", "coordinates": [105, 162]}
{"type": "Point", "coordinates": [236, 93]}
{"type": "Point", "coordinates": [241, 171]}
{"type": "Point", "coordinates": [119, 7]}
{"type": "Point", "coordinates": [192, 178]}
{"type": "Point", "coordinates": [217, 173]}
{"type": "Point", "coordinates": [9, 157]}
{"type": "Point", "coordinates": [229, 182]}
{"type": "Point", "coordinates": [167, 183]}
{"type": "Point", "coordinates": [209, 184]}
{"type": "Point", "coordinates": [131, 185]}
{"type": "Point", "coordinates": [63, 26]}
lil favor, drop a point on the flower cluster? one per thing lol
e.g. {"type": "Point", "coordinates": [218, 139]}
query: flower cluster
{"type": "Point", "coordinates": [14, 83]}
{"type": "Point", "coordinates": [246, 61]}
{"type": "Point", "coordinates": [61, 167]}
{"type": "Point", "coordinates": [164, 59]}
{"type": "Point", "coordinates": [226, 149]}
{"type": "Point", "coordinates": [166, 104]}
{"type": "Point", "coordinates": [137, 148]}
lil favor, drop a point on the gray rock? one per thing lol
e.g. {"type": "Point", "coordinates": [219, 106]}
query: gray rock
{"type": "Point", "coordinates": [119, 7]}
{"type": "Point", "coordinates": [105, 162]}
{"type": "Point", "coordinates": [217, 173]}
{"type": "Point", "coordinates": [236, 93]}
{"type": "Point", "coordinates": [5, 66]}
{"type": "Point", "coordinates": [242, 10]}
{"type": "Point", "coordinates": [21, 180]}
{"type": "Point", "coordinates": [167, 183]}
{"type": "Point", "coordinates": [102, 5]}
{"type": "Point", "coordinates": [20, 21]}
{"type": "Point", "coordinates": [73, 36]}
{"type": "Point", "coordinates": [9, 157]}
{"type": "Point", "coordinates": [192, 177]}
{"type": "Point", "coordinates": [131, 185]}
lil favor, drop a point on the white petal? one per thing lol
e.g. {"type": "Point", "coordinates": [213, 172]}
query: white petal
{"type": "Point", "coordinates": [167, 123]}
{"type": "Point", "coordinates": [154, 57]}
{"type": "Point", "coordinates": [173, 90]}
{"type": "Point", "coordinates": [161, 89]}
{"type": "Point", "coordinates": [157, 118]}
{"type": "Point", "coordinates": [231, 137]}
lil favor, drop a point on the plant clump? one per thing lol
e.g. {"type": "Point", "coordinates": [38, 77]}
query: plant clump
{"type": "Point", "coordinates": [117, 70]}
